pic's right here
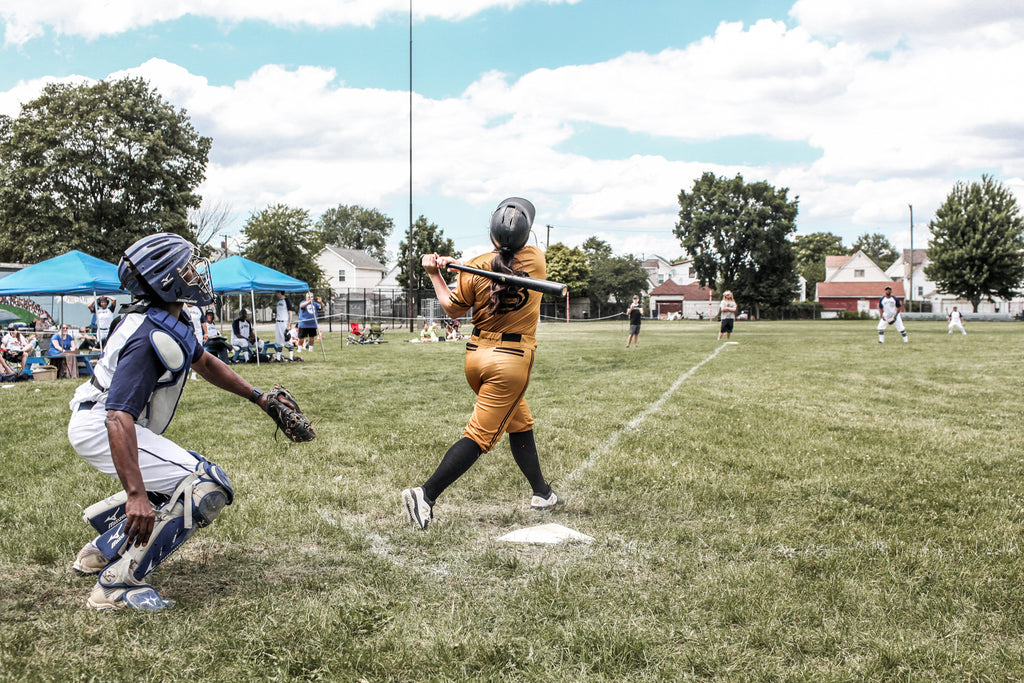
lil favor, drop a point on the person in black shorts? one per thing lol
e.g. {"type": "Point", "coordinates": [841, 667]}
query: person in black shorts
{"type": "Point", "coordinates": [636, 314]}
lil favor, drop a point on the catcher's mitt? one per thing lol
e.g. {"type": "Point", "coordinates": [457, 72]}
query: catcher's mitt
{"type": "Point", "coordinates": [284, 410]}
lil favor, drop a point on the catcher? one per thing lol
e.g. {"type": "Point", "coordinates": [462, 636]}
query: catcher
{"type": "Point", "coordinates": [117, 419]}
{"type": "Point", "coordinates": [889, 313]}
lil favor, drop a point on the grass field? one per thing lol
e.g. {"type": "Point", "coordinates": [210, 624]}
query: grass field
{"type": "Point", "coordinates": [803, 505]}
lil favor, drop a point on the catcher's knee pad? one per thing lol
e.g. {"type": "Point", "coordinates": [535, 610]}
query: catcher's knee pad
{"type": "Point", "coordinates": [196, 502]}
{"type": "Point", "coordinates": [104, 515]}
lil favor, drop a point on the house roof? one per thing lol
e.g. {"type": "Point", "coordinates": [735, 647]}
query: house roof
{"type": "Point", "coordinates": [858, 290]}
{"type": "Point", "coordinates": [836, 261]}
{"type": "Point", "coordinates": [691, 291]}
{"type": "Point", "coordinates": [359, 258]}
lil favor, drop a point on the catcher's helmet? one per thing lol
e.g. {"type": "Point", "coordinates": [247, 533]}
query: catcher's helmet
{"type": "Point", "coordinates": [511, 223]}
{"type": "Point", "coordinates": [160, 268]}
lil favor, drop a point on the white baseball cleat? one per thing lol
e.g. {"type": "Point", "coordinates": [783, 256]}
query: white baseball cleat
{"type": "Point", "coordinates": [549, 503]}
{"type": "Point", "coordinates": [90, 560]}
{"type": "Point", "coordinates": [420, 512]}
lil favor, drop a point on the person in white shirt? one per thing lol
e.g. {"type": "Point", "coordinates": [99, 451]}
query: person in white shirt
{"type": "Point", "coordinates": [104, 313]}
{"type": "Point", "coordinates": [956, 320]}
{"type": "Point", "coordinates": [889, 307]}
{"type": "Point", "coordinates": [282, 321]}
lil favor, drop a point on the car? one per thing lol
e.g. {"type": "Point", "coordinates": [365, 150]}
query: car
{"type": "Point", "coordinates": [744, 315]}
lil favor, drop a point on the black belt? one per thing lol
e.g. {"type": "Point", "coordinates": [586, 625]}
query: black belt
{"type": "Point", "coordinates": [505, 336]}
{"type": "Point", "coordinates": [86, 405]}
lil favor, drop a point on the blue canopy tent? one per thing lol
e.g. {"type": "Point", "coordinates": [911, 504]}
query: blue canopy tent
{"type": "Point", "coordinates": [72, 273]}
{"type": "Point", "coordinates": [239, 275]}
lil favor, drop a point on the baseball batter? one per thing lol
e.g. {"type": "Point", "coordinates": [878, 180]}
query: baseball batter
{"type": "Point", "coordinates": [118, 417]}
{"type": "Point", "coordinates": [499, 358]}
{"type": "Point", "coordinates": [889, 309]}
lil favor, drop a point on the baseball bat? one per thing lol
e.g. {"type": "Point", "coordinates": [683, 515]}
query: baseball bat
{"type": "Point", "coordinates": [543, 286]}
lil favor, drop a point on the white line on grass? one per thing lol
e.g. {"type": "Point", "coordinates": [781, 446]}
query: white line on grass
{"type": "Point", "coordinates": [635, 422]}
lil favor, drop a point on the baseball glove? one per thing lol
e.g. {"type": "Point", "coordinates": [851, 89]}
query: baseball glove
{"type": "Point", "coordinates": [284, 410]}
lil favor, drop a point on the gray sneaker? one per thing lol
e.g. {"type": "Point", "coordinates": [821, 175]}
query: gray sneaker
{"type": "Point", "coordinates": [420, 512]}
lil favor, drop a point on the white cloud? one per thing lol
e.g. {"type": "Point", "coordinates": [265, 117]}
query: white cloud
{"type": "Point", "coordinates": [893, 128]}
{"type": "Point", "coordinates": [29, 19]}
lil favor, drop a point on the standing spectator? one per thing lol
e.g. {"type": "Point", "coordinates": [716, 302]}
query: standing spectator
{"type": "Point", "coordinates": [282, 321]}
{"type": "Point", "coordinates": [636, 314]}
{"type": "Point", "coordinates": [104, 314]}
{"type": "Point", "coordinates": [728, 315]}
{"type": "Point", "coordinates": [956, 319]}
{"type": "Point", "coordinates": [62, 350]}
{"type": "Point", "coordinates": [889, 307]}
{"type": "Point", "coordinates": [309, 310]}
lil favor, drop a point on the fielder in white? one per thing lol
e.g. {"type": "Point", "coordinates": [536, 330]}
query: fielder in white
{"type": "Point", "coordinates": [956, 321]}
{"type": "Point", "coordinates": [117, 419]}
{"type": "Point", "coordinates": [889, 307]}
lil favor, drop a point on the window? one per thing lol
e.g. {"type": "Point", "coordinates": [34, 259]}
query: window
{"type": "Point", "coordinates": [920, 292]}
{"type": "Point", "coordinates": [341, 275]}
{"type": "Point", "coordinates": [858, 272]}
{"type": "Point", "coordinates": [661, 278]}
{"type": "Point", "coordinates": [693, 273]}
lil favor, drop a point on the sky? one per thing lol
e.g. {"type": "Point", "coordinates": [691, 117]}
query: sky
{"type": "Point", "coordinates": [598, 111]}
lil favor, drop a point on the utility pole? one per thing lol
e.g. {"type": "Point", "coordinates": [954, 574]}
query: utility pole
{"type": "Point", "coordinates": [412, 263]}
{"type": "Point", "coordinates": [547, 242]}
{"type": "Point", "coordinates": [911, 257]}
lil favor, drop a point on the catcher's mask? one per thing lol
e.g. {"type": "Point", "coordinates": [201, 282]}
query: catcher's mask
{"type": "Point", "coordinates": [161, 268]}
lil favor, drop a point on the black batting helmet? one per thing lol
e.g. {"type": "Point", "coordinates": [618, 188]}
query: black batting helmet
{"type": "Point", "coordinates": [511, 223]}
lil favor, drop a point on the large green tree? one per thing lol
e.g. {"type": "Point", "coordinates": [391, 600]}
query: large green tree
{"type": "Point", "coordinates": [977, 246]}
{"type": "Point", "coordinates": [737, 234]}
{"type": "Point", "coordinates": [427, 238]}
{"type": "Point", "coordinates": [568, 266]}
{"type": "Point", "coordinates": [356, 227]}
{"type": "Point", "coordinates": [95, 167]}
{"type": "Point", "coordinates": [878, 247]}
{"type": "Point", "coordinates": [282, 237]}
{"type": "Point", "coordinates": [618, 277]}
{"type": "Point", "coordinates": [810, 252]}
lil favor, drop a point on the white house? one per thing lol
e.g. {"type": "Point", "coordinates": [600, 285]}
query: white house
{"type": "Point", "coordinates": [661, 270]}
{"type": "Point", "coordinates": [350, 269]}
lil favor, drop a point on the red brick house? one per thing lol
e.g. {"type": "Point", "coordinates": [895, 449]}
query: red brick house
{"type": "Point", "coordinates": [691, 301]}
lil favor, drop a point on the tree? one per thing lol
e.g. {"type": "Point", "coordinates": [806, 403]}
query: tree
{"type": "Point", "coordinates": [427, 239]}
{"type": "Point", "coordinates": [96, 167]}
{"type": "Point", "coordinates": [619, 277]}
{"type": "Point", "coordinates": [282, 237]}
{"type": "Point", "coordinates": [878, 247]}
{"type": "Point", "coordinates": [737, 235]}
{"type": "Point", "coordinates": [810, 252]}
{"type": "Point", "coordinates": [355, 227]}
{"type": "Point", "coordinates": [977, 246]}
{"type": "Point", "coordinates": [568, 266]}
{"type": "Point", "coordinates": [207, 221]}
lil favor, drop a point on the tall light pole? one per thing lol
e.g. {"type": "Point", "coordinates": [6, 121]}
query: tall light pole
{"type": "Point", "coordinates": [911, 257]}
{"type": "Point", "coordinates": [412, 260]}
{"type": "Point", "coordinates": [547, 243]}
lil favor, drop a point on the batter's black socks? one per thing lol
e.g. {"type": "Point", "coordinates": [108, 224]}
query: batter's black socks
{"type": "Point", "coordinates": [459, 458]}
{"type": "Point", "coordinates": [524, 450]}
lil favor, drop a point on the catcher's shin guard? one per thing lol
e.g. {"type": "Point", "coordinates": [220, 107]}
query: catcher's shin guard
{"type": "Point", "coordinates": [196, 502]}
{"type": "Point", "coordinates": [104, 515]}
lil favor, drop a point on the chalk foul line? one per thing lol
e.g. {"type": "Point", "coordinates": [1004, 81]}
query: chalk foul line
{"type": "Point", "coordinates": [638, 420]}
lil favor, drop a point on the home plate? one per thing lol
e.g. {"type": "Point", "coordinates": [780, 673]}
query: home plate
{"type": "Point", "coordinates": [545, 533]}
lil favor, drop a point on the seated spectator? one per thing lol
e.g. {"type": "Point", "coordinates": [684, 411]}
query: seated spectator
{"type": "Point", "coordinates": [213, 340]}
{"type": "Point", "coordinates": [86, 340]}
{"type": "Point", "coordinates": [4, 367]}
{"type": "Point", "coordinates": [429, 332]}
{"type": "Point", "coordinates": [17, 347]}
{"type": "Point", "coordinates": [62, 352]}
{"type": "Point", "coordinates": [243, 336]}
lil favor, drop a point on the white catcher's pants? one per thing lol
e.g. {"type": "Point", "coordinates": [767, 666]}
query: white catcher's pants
{"type": "Point", "coordinates": [163, 463]}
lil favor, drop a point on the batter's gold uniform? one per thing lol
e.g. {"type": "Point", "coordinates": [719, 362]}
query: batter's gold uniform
{"type": "Point", "coordinates": [500, 353]}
